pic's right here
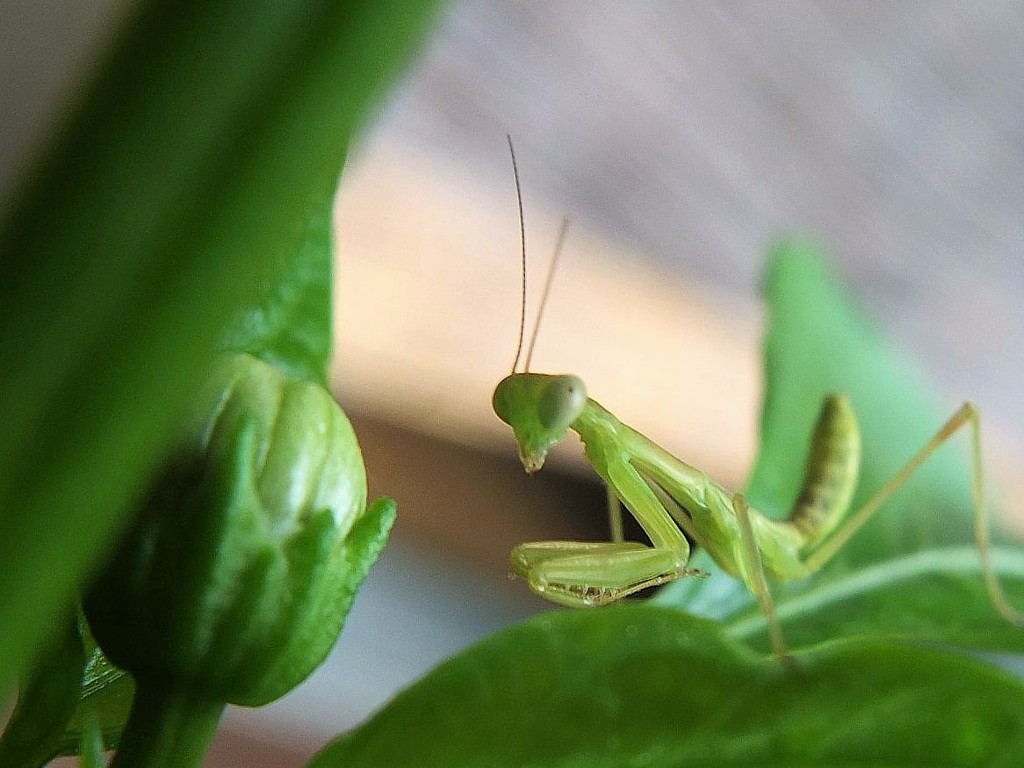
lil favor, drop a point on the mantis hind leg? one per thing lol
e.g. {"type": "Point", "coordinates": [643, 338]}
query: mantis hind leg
{"type": "Point", "coordinates": [755, 579]}
{"type": "Point", "coordinates": [966, 415]}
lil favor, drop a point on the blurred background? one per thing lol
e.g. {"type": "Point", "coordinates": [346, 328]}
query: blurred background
{"type": "Point", "coordinates": [682, 139]}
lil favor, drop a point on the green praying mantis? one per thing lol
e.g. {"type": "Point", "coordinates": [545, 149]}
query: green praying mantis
{"type": "Point", "coordinates": [676, 503]}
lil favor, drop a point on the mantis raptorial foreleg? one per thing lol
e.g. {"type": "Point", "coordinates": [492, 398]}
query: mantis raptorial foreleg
{"type": "Point", "coordinates": [587, 574]}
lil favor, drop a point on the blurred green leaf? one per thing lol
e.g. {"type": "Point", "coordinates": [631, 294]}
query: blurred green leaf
{"type": "Point", "coordinates": [175, 191]}
{"type": "Point", "coordinates": [290, 326]}
{"type": "Point", "coordinates": [643, 686]}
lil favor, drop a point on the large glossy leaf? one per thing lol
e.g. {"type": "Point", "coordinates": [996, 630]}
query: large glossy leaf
{"type": "Point", "coordinates": [644, 686]}
{"type": "Point", "coordinates": [933, 595]}
{"type": "Point", "coordinates": [913, 571]}
{"type": "Point", "coordinates": [175, 191]}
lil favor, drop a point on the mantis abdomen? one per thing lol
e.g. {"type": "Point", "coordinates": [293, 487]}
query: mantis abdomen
{"type": "Point", "coordinates": [833, 464]}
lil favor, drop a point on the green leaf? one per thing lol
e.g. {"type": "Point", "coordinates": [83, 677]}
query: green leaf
{"type": "Point", "coordinates": [290, 327]}
{"type": "Point", "coordinates": [643, 686]}
{"type": "Point", "coordinates": [914, 570]}
{"type": "Point", "coordinates": [176, 190]}
{"type": "Point", "coordinates": [935, 595]}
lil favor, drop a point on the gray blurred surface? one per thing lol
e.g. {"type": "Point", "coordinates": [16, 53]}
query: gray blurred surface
{"type": "Point", "coordinates": [47, 50]}
{"type": "Point", "coordinates": [698, 131]}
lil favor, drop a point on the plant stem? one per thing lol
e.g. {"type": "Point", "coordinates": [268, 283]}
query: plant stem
{"type": "Point", "coordinates": [168, 728]}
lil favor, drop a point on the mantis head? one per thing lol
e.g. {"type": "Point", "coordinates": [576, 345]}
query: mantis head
{"type": "Point", "coordinates": [540, 408]}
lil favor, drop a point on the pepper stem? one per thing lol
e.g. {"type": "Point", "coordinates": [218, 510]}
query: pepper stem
{"type": "Point", "coordinates": [167, 728]}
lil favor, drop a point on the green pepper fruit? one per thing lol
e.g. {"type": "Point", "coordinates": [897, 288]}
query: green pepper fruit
{"type": "Point", "coordinates": [242, 564]}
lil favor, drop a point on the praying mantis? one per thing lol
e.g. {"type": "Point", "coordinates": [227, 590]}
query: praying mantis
{"type": "Point", "coordinates": [676, 503]}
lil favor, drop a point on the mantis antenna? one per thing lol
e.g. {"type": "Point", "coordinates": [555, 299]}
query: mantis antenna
{"type": "Point", "coordinates": [522, 242]}
{"type": "Point", "coordinates": [547, 289]}
{"type": "Point", "coordinates": [551, 270]}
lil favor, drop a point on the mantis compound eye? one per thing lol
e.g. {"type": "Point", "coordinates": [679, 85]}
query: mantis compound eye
{"type": "Point", "coordinates": [500, 400]}
{"type": "Point", "coordinates": [561, 402]}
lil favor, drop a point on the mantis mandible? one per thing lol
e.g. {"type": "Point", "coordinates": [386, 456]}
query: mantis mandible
{"type": "Point", "coordinates": [676, 503]}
